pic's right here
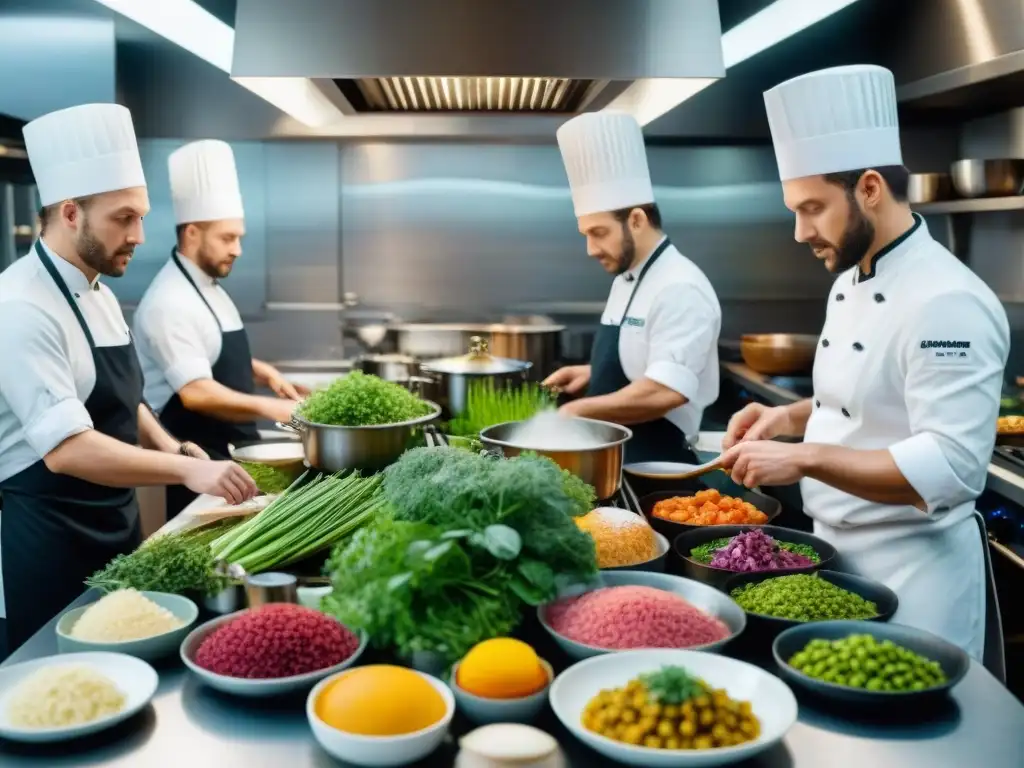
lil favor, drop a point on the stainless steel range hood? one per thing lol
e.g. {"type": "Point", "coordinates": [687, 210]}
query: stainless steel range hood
{"type": "Point", "coordinates": [486, 59]}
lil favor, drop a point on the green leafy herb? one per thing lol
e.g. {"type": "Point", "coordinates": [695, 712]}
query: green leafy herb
{"type": "Point", "coordinates": [270, 479]}
{"type": "Point", "coordinates": [672, 685]}
{"type": "Point", "coordinates": [800, 549]}
{"type": "Point", "coordinates": [488, 404]}
{"type": "Point", "coordinates": [174, 563]}
{"type": "Point", "coordinates": [360, 399]}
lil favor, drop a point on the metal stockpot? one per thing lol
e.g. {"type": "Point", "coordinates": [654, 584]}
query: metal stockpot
{"type": "Point", "coordinates": [335, 449]}
{"type": "Point", "coordinates": [452, 377]}
{"type": "Point", "coordinates": [600, 466]}
{"type": "Point", "coordinates": [390, 367]}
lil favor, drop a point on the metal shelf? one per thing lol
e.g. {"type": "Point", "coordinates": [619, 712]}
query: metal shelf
{"type": "Point", "coordinates": [976, 205]}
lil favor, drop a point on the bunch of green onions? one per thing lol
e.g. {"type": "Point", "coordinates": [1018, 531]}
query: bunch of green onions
{"type": "Point", "coordinates": [487, 405]}
{"type": "Point", "coordinates": [304, 520]}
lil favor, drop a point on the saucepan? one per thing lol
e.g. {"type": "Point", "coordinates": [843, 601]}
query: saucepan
{"type": "Point", "coordinates": [988, 178]}
{"type": "Point", "coordinates": [779, 354]}
{"type": "Point", "coordinates": [929, 187]}
{"type": "Point", "coordinates": [450, 378]}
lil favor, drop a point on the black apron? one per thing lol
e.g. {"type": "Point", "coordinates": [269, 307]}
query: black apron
{"type": "Point", "coordinates": [57, 530]}
{"type": "Point", "coordinates": [233, 369]}
{"type": "Point", "coordinates": [658, 440]}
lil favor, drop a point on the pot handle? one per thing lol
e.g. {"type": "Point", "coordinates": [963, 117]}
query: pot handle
{"type": "Point", "coordinates": [287, 427]}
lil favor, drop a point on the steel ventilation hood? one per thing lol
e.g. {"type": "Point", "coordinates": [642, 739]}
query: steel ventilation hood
{"type": "Point", "coordinates": [488, 61]}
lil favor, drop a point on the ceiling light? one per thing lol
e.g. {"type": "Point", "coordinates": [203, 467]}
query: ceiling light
{"type": "Point", "coordinates": [202, 34]}
{"type": "Point", "coordinates": [649, 99]}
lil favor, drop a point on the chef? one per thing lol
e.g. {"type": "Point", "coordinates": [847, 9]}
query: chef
{"type": "Point", "coordinates": [907, 377]}
{"type": "Point", "coordinates": [199, 371]}
{"type": "Point", "coordinates": [654, 362]}
{"type": "Point", "coordinates": [71, 413]}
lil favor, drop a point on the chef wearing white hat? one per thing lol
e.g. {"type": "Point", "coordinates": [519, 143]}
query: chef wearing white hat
{"type": "Point", "coordinates": [71, 413]}
{"type": "Point", "coordinates": [909, 368]}
{"type": "Point", "coordinates": [654, 362]}
{"type": "Point", "coordinates": [198, 368]}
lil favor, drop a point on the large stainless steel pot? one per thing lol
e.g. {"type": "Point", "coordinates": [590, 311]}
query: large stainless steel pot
{"type": "Point", "coordinates": [452, 377]}
{"type": "Point", "coordinates": [336, 449]}
{"type": "Point", "coordinates": [929, 187]}
{"type": "Point", "coordinates": [390, 367]}
{"type": "Point", "coordinates": [600, 466]}
{"type": "Point", "coordinates": [988, 178]}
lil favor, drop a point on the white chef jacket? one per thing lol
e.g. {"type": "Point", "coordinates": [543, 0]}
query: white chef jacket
{"type": "Point", "coordinates": [911, 359]}
{"type": "Point", "coordinates": [176, 335]}
{"type": "Point", "coordinates": [46, 367]}
{"type": "Point", "coordinates": [671, 333]}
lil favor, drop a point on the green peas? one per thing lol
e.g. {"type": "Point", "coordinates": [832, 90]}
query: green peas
{"type": "Point", "coordinates": [803, 597]}
{"type": "Point", "coordinates": [859, 661]}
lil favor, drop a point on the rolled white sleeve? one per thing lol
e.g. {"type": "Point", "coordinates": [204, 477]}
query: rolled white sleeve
{"type": "Point", "coordinates": [175, 345]}
{"type": "Point", "coordinates": [36, 378]}
{"type": "Point", "coordinates": [682, 328]}
{"type": "Point", "coordinates": [952, 397]}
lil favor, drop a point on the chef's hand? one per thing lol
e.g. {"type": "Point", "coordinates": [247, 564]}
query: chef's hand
{"type": "Point", "coordinates": [756, 422]}
{"type": "Point", "coordinates": [281, 410]}
{"type": "Point", "coordinates": [571, 379]}
{"type": "Point", "coordinates": [193, 450]}
{"type": "Point", "coordinates": [223, 479]}
{"type": "Point", "coordinates": [572, 408]}
{"type": "Point", "coordinates": [284, 388]}
{"type": "Point", "coordinates": [765, 462]}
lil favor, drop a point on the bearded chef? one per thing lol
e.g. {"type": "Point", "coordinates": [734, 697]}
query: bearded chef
{"type": "Point", "coordinates": [654, 361]}
{"type": "Point", "coordinates": [907, 377]}
{"type": "Point", "coordinates": [199, 371]}
{"type": "Point", "coordinates": [71, 413]}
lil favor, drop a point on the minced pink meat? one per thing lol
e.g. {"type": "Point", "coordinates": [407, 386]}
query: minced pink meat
{"type": "Point", "coordinates": [634, 617]}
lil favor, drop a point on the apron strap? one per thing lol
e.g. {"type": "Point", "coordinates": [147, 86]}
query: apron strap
{"type": "Point", "coordinates": [654, 257]}
{"type": "Point", "coordinates": [48, 263]}
{"type": "Point", "coordinates": [177, 262]}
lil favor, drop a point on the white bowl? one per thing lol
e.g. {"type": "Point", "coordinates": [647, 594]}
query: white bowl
{"type": "Point", "coordinates": [483, 711]}
{"type": "Point", "coordinates": [772, 701]}
{"type": "Point", "coordinates": [380, 751]}
{"type": "Point", "coordinates": [133, 677]}
{"type": "Point", "coordinates": [256, 687]}
{"type": "Point", "coordinates": [146, 648]}
{"type": "Point", "coordinates": [311, 597]}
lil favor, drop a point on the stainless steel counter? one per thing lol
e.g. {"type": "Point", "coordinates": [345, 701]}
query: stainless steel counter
{"type": "Point", "coordinates": [190, 726]}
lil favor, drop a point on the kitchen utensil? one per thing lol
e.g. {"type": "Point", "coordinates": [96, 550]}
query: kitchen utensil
{"type": "Point", "coordinates": [390, 367]}
{"type": "Point", "coordinates": [656, 564]}
{"type": "Point", "coordinates": [336, 449]}
{"type": "Point", "coordinates": [775, 354]}
{"type": "Point", "coordinates": [771, 700]}
{"type": "Point", "coordinates": [482, 710]}
{"type": "Point", "coordinates": [453, 376]}
{"type": "Point", "coordinates": [285, 454]}
{"type": "Point", "coordinates": [988, 178]}
{"type": "Point", "coordinates": [708, 599]}
{"type": "Point", "coordinates": [145, 648]}
{"type": "Point", "coordinates": [929, 187]}
{"type": "Point", "coordinates": [265, 588]}
{"type": "Point", "coordinates": [136, 679]}
{"type": "Point", "coordinates": [256, 688]}
{"type": "Point", "coordinates": [671, 470]}
{"type": "Point", "coordinates": [717, 577]}
{"type": "Point", "coordinates": [246, 508]}
{"type": "Point", "coordinates": [356, 749]}
{"type": "Point", "coordinates": [600, 466]}
{"type": "Point", "coordinates": [763, 627]}
{"type": "Point", "coordinates": [953, 660]}
{"type": "Point", "coordinates": [670, 528]}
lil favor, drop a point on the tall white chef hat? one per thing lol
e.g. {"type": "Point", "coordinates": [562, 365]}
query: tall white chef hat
{"type": "Point", "coordinates": [606, 162]}
{"type": "Point", "coordinates": [833, 120]}
{"type": "Point", "coordinates": [204, 182]}
{"type": "Point", "coordinates": [82, 151]}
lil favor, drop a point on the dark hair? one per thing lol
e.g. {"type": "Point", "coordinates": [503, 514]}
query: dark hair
{"type": "Point", "coordinates": [47, 212]}
{"type": "Point", "coordinates": [896, 177]}
{"type": "Point", "coordinates": [179, 230]}
{"type": "Point", "coordinates": [650, 211]}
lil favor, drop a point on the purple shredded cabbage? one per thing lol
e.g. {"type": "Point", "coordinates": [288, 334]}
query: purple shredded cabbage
{"type": "Point", "coordinates": [756, 551]}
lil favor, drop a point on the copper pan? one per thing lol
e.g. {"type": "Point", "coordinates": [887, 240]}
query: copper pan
{"type": "Point", "coordinates": [779, 354]}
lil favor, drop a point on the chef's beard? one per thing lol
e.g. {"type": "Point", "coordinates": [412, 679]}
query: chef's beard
{"type": "Point", "coordinates": [628, 254]}
{"type": "Point", "coordinates": [217, 270]}
{"type": "Point", "coordinates": [857, 239]}
{"type": "Point", "coordinates": [96, 256]}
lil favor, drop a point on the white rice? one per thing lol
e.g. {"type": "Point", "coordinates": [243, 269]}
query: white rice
{"type": "Point", "coordinates": [63, 695]}
{"type": "Point", "coordinates": [122, 616]}
{"type": "Point", "coordinates": [551, 431]}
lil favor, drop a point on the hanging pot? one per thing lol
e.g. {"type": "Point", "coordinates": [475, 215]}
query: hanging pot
{"type": "Point", "coordinates": [452, 377]}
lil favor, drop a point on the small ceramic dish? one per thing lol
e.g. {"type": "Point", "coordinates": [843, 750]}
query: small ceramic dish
{"type": "Point", "coordinates": [483, 711]}
{"type": "Point", "coordinates": [145, 648]}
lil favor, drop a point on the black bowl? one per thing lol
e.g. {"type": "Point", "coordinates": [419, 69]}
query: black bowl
{"type": "Point", "coordinates": [718, 577]}
{"type": "Point", "coordinates": [953, 660]}
{"type": "Point", "coordinates": [771, 507]}
{"type": "Point", "coordinates": [767, 627]}
{"type": "Point", "coordinates": [656, 564]}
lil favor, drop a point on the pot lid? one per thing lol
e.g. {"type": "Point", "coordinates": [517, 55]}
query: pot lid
{"type": "Point", "coordinates": [478, 361]}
